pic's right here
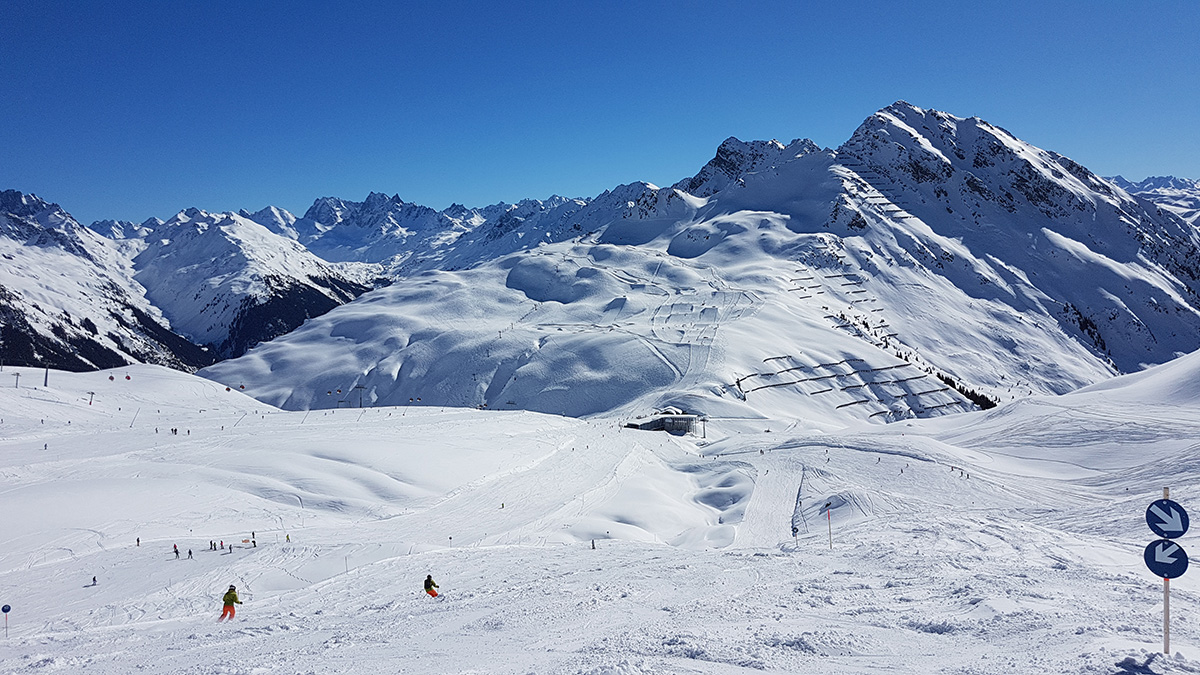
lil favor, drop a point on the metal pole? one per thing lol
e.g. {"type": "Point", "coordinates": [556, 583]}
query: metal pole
{"type": "Point", "coordinates": [1166, 601]}
{"type": "Point", "coordinates": [46, 382]}
{"type": "Point", "coordinates": [829, 521]}
{"type": "Point", "coordinates": [1166, 617]}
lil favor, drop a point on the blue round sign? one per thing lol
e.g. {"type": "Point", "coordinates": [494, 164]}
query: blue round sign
{"type": "Point", "coordinates": [5, 609]}
{"type": "Point", "coordinates": [1167, 519]}
{"type": "Point", "coordinates": [1166, 559]}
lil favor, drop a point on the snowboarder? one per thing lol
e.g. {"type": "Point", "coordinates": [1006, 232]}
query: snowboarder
{"type": "Point", "coordinates": [430, 585]}
{"type": "Point", "coordinates": [229, 601]}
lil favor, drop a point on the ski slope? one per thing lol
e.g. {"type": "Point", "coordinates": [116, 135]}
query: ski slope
{"type": "Point", "coordinates": [998, 542]}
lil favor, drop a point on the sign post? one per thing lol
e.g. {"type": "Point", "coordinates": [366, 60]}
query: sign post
{"type": "Point", "coordinates": [5, 609]}
{"type": "Point", "coordinates": [1164, 557]}
{"type": "Point", "coordinates": [829, 521]}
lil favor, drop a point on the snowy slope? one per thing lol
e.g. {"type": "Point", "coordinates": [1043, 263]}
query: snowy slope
{"type": "Point", "coordinates": [1010, 223]}
{"type": "Point", "coordinates": [997, 542]}
{"type": "Point", "coordinates": [68, 298]}
{"type": "Point", "coordinates": [275, 219]}
{"type": "Point", "coordinates": [850, 284]}
{"type": "Point", "coordinates": [228, 282]}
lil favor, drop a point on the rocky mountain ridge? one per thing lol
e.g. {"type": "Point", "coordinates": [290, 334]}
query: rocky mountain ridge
{"type": "Point", "coordinates": [926, 241]}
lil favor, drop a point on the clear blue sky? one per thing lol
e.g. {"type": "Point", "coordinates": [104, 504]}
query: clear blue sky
{"type": "Point", "coordinates": [127, 110]}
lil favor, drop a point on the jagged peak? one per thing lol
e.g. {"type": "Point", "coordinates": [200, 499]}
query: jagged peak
{"type": "Point", "coordinates": [113, 229]}
{"type": "Point", "coordinates": [274, 213]}
{"type": "Point", "coordinates": [902, 107]}
{"type": "Point", "coordinates": [1156, 183]}
{"type": "Point", "coordinates": [22, 204]}
{"type": "Point", "coordinates": [735, 158]}
{"type": "Point", "coordinates": [377, 200]}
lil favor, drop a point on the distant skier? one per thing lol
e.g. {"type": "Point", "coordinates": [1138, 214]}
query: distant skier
{"type": "Point", "coordinates": [189, 554]}
{"type": "Point", "coordinates": [430, 585]}
{"type": "Point", "coordinates": [176, 547]}
{"type": "Point", "coordinates": [93, 581]}
{"type": "Point", "coordinates": [229, 601]}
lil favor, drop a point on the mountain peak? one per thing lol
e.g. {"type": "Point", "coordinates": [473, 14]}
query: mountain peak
{"type": "Point", "coordinates": [377, 200]}
{"type": "Point", "coordinates": [21, 204]}
{"type": "Point", "coordinates": [1156, 183]}
{"type": "Point", "coordinates": [735, 158]}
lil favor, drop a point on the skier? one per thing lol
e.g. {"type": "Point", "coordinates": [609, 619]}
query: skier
{"type": "Point", "coordinates": [189, 554]}
{"type": "Point", "coordinates": [176, 547]}
{"type": "Point", "coordinates": [430, 585]}
{"type": "Point", "coordinates": [229, 601]}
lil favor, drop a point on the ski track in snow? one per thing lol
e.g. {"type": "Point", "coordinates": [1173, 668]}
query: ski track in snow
{"type": "Point", "coordinates": [1031, 564]}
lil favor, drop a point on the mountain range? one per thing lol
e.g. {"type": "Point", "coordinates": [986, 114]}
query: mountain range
{"type": "Point", "coordinates": [930, 264]}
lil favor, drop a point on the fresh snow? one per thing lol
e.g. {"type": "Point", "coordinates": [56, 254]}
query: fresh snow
{"type": "Point", "coordinates": [997, 542]}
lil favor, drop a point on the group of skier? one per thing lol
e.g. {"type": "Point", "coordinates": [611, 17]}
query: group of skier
{"type": "Point", "coordinates": [231, 597]}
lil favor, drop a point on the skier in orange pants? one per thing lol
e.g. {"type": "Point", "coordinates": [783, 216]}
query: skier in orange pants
{"type": "Point", "coordinates": [430, 585]}
{"type": "Point", "coordinates": [230, 600]}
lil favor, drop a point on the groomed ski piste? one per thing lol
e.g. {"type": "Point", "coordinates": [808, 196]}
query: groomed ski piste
{"type": "Point", "coordinates": [1007, 541]}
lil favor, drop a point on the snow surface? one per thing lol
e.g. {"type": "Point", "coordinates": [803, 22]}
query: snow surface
{"type": "Point", "coordinates": [1007, 541]}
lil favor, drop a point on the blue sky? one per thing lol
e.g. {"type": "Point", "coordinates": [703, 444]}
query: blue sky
{"type": "Point", "coordinates": [128, 110]}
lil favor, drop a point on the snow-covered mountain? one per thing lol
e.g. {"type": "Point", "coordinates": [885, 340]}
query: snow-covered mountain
{"type": "Point", "coordinates": [228, 282]}
{"type": "Point", "coordinates": [1151, 183]}
{"type": "Point", "coordinates": [373, 230]}
{"type": "Point", "coordinates": [929, 264]}
{"type": "Point", "coordinates": [275, 219]}
{"type": "Point", "coordinates": [68, 298]}
{"type": "Point", "coordinates": [1010, 223]}
{"type": "Point", "coordinates": [928, 251]}
{"type": "Point", "coordinates": [124, 229]}
{"type": "Point", "coordinates": [406, 237]}
{"type": "Point", "coordinates": [1180, 196]}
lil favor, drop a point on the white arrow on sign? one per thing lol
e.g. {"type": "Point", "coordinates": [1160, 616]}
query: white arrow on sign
{"type": "Point", "coordinates": [1170, 523]}
{"type": "Point", "coordinates": [1163, 555]}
